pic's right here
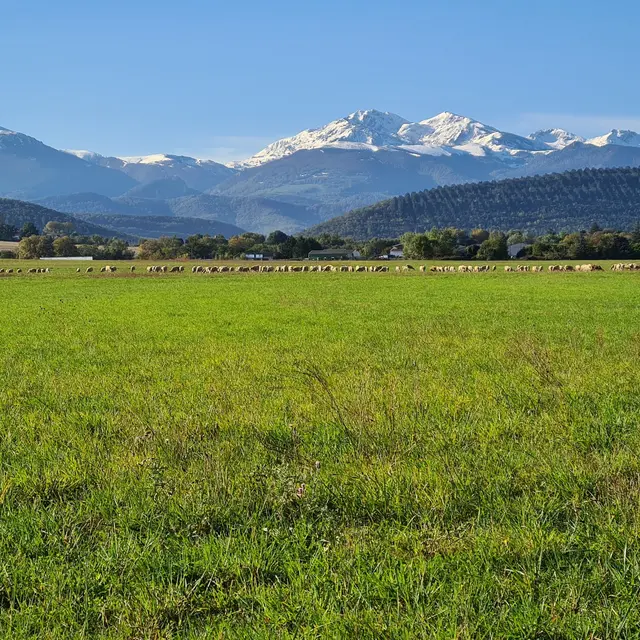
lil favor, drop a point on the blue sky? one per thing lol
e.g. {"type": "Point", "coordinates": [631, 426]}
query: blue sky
{"type": "Point", "coordinates": [221, 79]}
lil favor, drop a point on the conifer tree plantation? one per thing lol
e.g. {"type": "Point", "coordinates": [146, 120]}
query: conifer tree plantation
{"type": "Point", "coordinates": [316, 455]}
{"type": "Point", "coordinates": [569, 201]}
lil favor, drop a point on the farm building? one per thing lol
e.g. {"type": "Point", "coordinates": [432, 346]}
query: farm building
{"type": "Point", "coordinates": [259, 255]}
{"type": "Point", "coordinates": [516, 249]}
{"type": "Point", "coordinates": [397, 251]}
{"type": "Point", "coordinates": [333, 254]}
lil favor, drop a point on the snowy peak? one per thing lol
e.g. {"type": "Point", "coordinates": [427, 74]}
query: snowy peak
{"type": "Point", "coordinates": [555, 138]}
{"type": "Point", "coordinates": [444, 134]}
{"type": "Point", "coordinates": [361, 129]}
{"type": "Point", "coordinates": [16, 138]}
{"type": "Point", "coordinates": [5, 133]}
{"type": "Point", "coordinates": [623, 138]}
{"type": "Point", "coordinates": [166, 160]}
{"type": "Point", "coordinates": [451, 130]}
{"type": "Point", "coordinates": [83, 154]}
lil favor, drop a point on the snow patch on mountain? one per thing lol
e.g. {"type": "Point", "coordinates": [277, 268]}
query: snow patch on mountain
{"type": "Point", "coordinates": [83, 154]}
{"type": "Point", "coordinates": [167, 160]}
{"type": "Point", "coordinates": [623, 138]}
{"type": "Point", "coordinates": [555, 138]}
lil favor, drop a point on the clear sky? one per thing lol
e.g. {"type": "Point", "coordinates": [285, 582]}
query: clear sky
{"type": "Point", "coordinates": [222, 78]}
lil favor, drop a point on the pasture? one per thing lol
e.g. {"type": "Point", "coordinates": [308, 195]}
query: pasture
{"type": "Point", "coordinates": [319, 455]}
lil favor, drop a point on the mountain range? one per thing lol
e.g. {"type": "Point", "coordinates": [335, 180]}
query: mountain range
{"type": "Point", "coordinates": [300, 181]}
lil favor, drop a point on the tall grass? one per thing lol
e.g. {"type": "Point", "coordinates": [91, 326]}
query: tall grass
{"type": "Point", "coordinates": [320, 455]}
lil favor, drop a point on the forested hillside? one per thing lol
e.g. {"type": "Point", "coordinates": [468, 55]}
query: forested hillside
{"type": "Point", "coordinates": [17, 213]}
{"type": "Point", "coordinates": [569, 201]}
{"type": "Point", "coordinates": [155, 226]}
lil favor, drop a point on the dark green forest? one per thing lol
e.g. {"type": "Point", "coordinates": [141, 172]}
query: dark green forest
{"type": "Point", "coordinates": [16, 213]}
{"type": "Point", "coordinates": [569, 201]}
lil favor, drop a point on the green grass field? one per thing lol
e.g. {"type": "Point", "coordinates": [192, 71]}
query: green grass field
{"type": "Point", "coordinates": [319, 455]}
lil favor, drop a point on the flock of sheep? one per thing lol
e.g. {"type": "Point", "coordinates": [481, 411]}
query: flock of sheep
{"type": "Point", "coordinates": [266, 268]}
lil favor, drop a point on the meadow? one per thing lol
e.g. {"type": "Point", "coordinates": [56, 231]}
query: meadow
{"type": "Point", "coordinates": [319, 455]}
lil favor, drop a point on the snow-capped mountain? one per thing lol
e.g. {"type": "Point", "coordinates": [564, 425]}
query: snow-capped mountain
{"type": "Point", "coordinates": [197, 174]}
{"type": "Point", "coordinates": [555, 138]}
{"type": "Point", "coordinates": [444, 134]}
{"type": "Point", "coordinates": [31, 169]}
{"type": "Point", "coordinates": [616, 136]}
{"type": "Point", "coordinates": [361, 130]}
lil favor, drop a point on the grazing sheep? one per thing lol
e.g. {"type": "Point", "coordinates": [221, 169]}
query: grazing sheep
{"type": "Point", "coordinates": [78, 270]}
{"type": "Point", "coordinates": [408, 267]}
{"type": "Point", "coordinates": [32, 271]}
{"type": "Point", "coordinates": [175, 270]}
{"type": "Point", "coordinates": [1, 270]}
{"type": "Point", "coordinates": [508, 268]}
{"type": "Point", "coordinates": [18, 270]}
{"type": "Point", "coordinates": [592, 267]}
{"type": "Point", "coordinates": [344, 268]}
{"type": "Point", "coordinates": [537, 269]}
{"type": "Point", "coordinates": [89, 270]}
{"type": "Point", "coordinates": [132, 268]}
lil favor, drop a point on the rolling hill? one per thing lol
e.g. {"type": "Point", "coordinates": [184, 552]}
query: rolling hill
{"type": "Point", "coordinates": [17, 213]}
{"type": "Point", "coordinates": [156, 226]}
{"type": "Point", "coordinates": [570, 201]}
{"type": "Point", "coordinates": [255, 214]}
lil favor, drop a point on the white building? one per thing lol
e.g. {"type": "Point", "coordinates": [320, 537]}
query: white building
{"type": "Point", "coordinates": [397, 251]}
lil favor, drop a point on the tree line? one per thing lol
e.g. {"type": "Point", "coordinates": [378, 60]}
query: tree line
{"type": "Point", "coordinates": [481, 244]}
{"type": "Point", "coordinates": [59, 239]}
